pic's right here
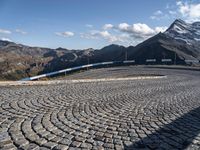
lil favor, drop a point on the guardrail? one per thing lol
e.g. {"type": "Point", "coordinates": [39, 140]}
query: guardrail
{"type": "Point", "coordinates": [150, 60]}
{"type": "Point", "coordinates": [76, 68]}
{"type": "Point", "coordinates": [192, 61]}
{"type": "Point", "coordinates": [166, 60]}
{"type": "Point", "coordinates": [100, 64]}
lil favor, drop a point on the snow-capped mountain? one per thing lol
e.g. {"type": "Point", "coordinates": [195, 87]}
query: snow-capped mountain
{"type": "Point", "coordinates": [185, 32]}
{"type": "Point", "coordinates": [181, 41]}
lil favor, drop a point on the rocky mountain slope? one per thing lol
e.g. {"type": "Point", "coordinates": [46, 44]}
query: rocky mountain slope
{"type": "Point", "coordinates": [179, 42]}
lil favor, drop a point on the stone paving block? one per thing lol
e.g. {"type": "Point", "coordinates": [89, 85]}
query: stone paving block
{"type": "Point", "coordinates": [135, 114]}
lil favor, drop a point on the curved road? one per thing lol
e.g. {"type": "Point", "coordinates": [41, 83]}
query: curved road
{"type": "Point", "coordinates": [137, 114]}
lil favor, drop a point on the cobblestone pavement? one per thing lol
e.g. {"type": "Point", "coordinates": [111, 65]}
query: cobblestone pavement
{"type": "Point", "coordinates": [137, 114]}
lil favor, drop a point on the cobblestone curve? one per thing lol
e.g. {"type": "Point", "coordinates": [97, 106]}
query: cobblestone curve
{"type": "Point", "coordinates": [136, 114]}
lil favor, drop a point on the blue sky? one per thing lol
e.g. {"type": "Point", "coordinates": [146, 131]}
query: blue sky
{"type": "Point", "coordinates": [79, 24]}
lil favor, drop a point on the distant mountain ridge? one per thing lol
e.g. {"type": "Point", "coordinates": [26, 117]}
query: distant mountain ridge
{"type": "Point", "coordinates": [180, 41]}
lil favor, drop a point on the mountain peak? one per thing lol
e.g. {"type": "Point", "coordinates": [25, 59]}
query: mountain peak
{"type": "Point", "coordinates": [112, 46]}
{"type": "Point", "coordinates": [188, 33]}
{"type": "Point", "coordinates": [179, 21]}
{"type": "Point", "coordinates": [61, 49]}
{"type": "Point", "coordinates": [179, 26]}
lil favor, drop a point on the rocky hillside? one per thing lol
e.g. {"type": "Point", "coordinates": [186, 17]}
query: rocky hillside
{"type": "Point", "coordinates": [18, 61]}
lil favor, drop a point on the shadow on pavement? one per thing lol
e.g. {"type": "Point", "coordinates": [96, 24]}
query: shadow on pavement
{"type": "Point", "coordinates": [182, 133]}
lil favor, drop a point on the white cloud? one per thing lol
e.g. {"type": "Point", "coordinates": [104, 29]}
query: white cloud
{"type": "Point", "coordinates": [138, 30]}
{"type": "Point", "coordinates": [108, 26]}
{"type": "Point", "coordinates": [104, 33]}
{"type": "Point", "coordinates": [154, 17]}
{"type": "Point", "coordinates": [124, 33]}
{"type": "Point", "coordinates": [65, 34]}
{"type": "Point", "coordinates": [171, 12]}
{"type": "Point", "coordinates": [178, 3]}
{"type": "Point", "coordinates": [189, 11]}
{"type": "Point", "coordinates": [184, 9]}
{"type": "Point", "coordinates": [107, 36]}
{"type": "Point", "coordinates": [158, 12]}
{"type": "Point", "coordinates": [20, 31]}
{"type": "Point", "coordinates": [124, 26]}
{"type": "Point", "coordinates": [158, 15]}
{"type": "Point", "coordinates": [87, 36]}
{"type": "Point", "coordinates": [110, 37]}
{"type": "Point", "coordinates": [4, 31]}
{"type": "Point", "coordinates": [142, 29]}
{"type": "Point", "coordinates": [6, 39]}
{"type": "Point", "coordinates": [89, 25]}
{"type": "Point", "coordinates": [160, 29]}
